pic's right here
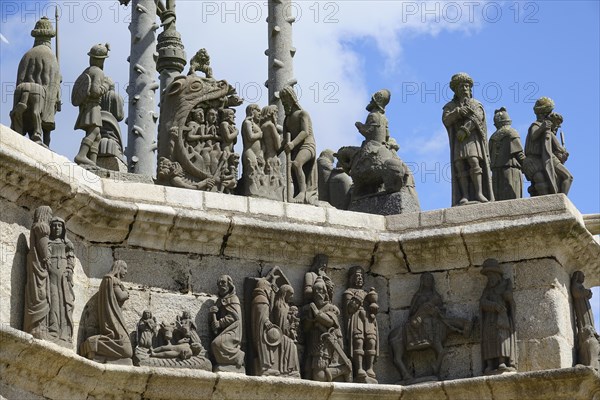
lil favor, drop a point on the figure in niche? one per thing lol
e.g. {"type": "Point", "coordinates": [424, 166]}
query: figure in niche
{"type": "Point", "coordinates": [498, 335]}
{"type": "Point", "coordinates": [61, 297]}
{"type": "Point", "coordinates": [588, 340]}
{"type": "Point", "coordinates": [300, 148]}
{"type": "Point", "coordinates": [334, 183]}
{"type": "Point", "coordinates": [326, 360]}
{"type": "Point", "coordinates": [464, 119]}
{"type": "Point", "coordinates": [543, 166]}
{"type": "Point", "coordinates": [37, 92]}
{"type": "Point", "coordinates": [506, 158]}
{"type": "Point", "coordinates": [87, 93]}
{"type": "Point", "coordinates": [112, 344]}
{"type": "Point", "coordinates": [35, 319]}
{"type": "Point", "coordinates": [226, 324]}
{"type": "Point", "coordinates": [318, 269]}
{"type": "Point", "coordinates": [362, 337]}
{"type": "Point", "coordinates": [197, 131]}
{"type": "Point", "coordinates": [427, 327]}
{"type": "Point", "coordinates": [252, 157]}
{"type": "Point", "coordinates": [275, 351]}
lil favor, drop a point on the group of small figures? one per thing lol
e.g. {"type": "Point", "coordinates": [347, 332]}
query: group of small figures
{"type": "Point", "coordinates": [313, 339]}
{"type": "Point", "coordinates": [483, 172]}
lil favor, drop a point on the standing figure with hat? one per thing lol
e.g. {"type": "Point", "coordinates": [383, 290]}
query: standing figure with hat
{"type": "Point", "coordinates": [498, 335]}
{"type": "Point", "coordinates": [506, 158]}
{"type": "Point", "coordinates": [88, 90]}
{"type": "Point", "coordinates": [37, 95]}
{"type": "Point", "coordinates": [464, 119]}
{"type": "Point", "coordinates": [360, 309]}
{"type": "Point", "coordinates": [545, 155]}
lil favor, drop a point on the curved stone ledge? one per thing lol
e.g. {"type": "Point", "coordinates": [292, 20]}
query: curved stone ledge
{"type": "Point", "coordinates": [66, 375]}
{"type": "Point", "coordinates": [163, 218]}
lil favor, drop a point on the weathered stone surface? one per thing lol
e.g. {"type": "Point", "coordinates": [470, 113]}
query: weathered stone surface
{"type": "Point", "coordinates": [387, 204]}
{"type": "Point", "coordinates": [355, 219]}
{"type": "Point", "coordinates": [152, 225]}
{"type": "Point", "coordinates": [548, 353]}
{"type": "Point", "coordinates": [86, 378]}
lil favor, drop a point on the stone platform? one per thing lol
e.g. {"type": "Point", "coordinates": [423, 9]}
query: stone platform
{"type": "Point", "coordinates": [177, 242]}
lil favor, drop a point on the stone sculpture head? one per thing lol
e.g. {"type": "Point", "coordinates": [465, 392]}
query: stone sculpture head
{"type": "Point", "coordinates": [269, 113]}
{"type": "Point", "coordinates": [286, 292]}
{"type": "Point", "coordinates": [491, 269]}
{"type": "Point", "coordinates": [379, 101]}
{"type": "Point", "coordinates": [42, 214]}
{"type": "Point", "coordinates": [98, 53]}
{"type": "Point", "coordinates": [253, 110]}
{"type": "Point", "coordinates": [501, 118]}
{"type": "Point", "coordinates": [228, 114]}
{"type": "Point", "coordinates": [146, 315]}
{"type": "Point", "coordinates": [578, 277]}
{"type": "Point", "coordinates": [43, 31]}
{"type": "Point", "coordinates": [356, 277]}
{"type": "Point", "coordinates": [119, 269]}
{"type": "Point", "coordinates": [289, 100]}
{"type": "Point", "coordinates": [427, 282]}
{"type": "Point", "coordinates": [556, 119]}
{"type": "Point", "coordinates": [543, 106]}
{"type": "Point", "coordinates": [225, 285]}
{"type": "Point", "coordinates": [320, 295]}
{"type": "Point", "coordinates": [211, 116]}
{"type": "Point", "coordinates": [461, 84]}
{"type": "Point", "coordinates": [198, 115]}
{"type": "Point", "coordinates": [57, 228]}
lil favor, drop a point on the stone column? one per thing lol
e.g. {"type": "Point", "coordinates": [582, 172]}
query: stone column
{"type": "Point", "coordinates": [142, 116]}
{"type": "Point", "coordinates": [280, 51]}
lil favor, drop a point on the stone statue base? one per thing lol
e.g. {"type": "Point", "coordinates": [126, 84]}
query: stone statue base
{"type": "Point", "coordinates": [111, 163]}
{"type": "Point", "coordinates": [195, 362]}
{"type": "Point", "coordinates": [229, 368]}
{"type": "Point", "coordinates": [402, 202]}
{"type": "Point", "coordinates": [118, 175]}
{"type": "Point", "coordinates": [421, 379]}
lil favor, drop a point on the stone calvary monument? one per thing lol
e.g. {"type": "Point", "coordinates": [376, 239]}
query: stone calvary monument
{"type": "Point", "coordinates": [203, 285]}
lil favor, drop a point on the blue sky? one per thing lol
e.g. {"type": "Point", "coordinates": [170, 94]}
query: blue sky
{"type": "Point", "coordinates": [515, 51]}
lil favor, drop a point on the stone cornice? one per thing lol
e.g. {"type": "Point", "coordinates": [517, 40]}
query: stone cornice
{"type": "Point", "coordinates": [67, 375]}
{"type": "Point", "coordinates": [161, 218]}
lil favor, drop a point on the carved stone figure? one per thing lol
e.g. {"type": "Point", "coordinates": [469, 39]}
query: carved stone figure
{"type": "Point", "coordinates": [544, 166]}
{"type": "Point", "coordinates": [112, 344]}
{"type": "Point", "coordinates": [300, 147]}
{"type": "Point", "coordinates": [196, 133]}
{"type": "Point", "coordinates": [334, 183]}
{"type": "Point", "coordinates": [382, 183]}
{"type": "Point", "coordinates": [325, 359]}
{"type": "Point", "coordinates": [35, 319]}
{"type": "Point", "coordinates": [427, 327]}
{"type": "Point", "coordinates": [362, 337]}
{"type": "Point", "coordinates": [464, 118]}
{"type": "Point", "coordinates": [252, 157]}
{"type": "Point", "coordinates": [173, 345]}
{"type": "Point", "coordinates": [87, 93]}
{"type": "Point", "coordinates": [275, 351]}
{"type": "Point", "coordinates": [588, 340]}
{"type": "Point", "coordinates": [226, 324]}
{"type": "Point", "coordinates": [110, 152]}
{"type": "Point", "coordinates": [37, 93]}
{"type": "Point", "coordinates": [61, 298]}
{"type": "Point", "coordinates": [506, 158]}
{"type": "Point", "coordinates": [498, 335]}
